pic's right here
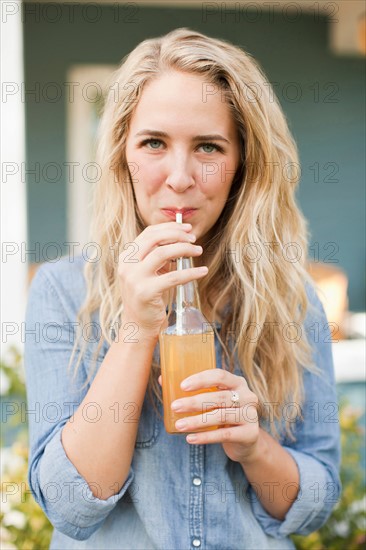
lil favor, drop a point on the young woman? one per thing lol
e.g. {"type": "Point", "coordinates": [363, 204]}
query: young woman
{"type": "Point", "coordinates": [194, 128]}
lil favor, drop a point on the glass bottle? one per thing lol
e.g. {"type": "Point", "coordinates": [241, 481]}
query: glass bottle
{"type": "Point", "coordinates": [187, 346]}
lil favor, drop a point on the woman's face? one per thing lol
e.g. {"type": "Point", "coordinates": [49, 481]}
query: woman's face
{"type": "Point", "coordinates": [183, 151]}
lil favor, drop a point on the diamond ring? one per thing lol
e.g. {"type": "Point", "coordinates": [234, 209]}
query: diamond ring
{"type": "Point", "coordinates": [234, 398]}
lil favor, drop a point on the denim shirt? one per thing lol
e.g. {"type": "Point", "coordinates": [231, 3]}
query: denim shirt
{"type": "Point", "coordinates": [177, 496]}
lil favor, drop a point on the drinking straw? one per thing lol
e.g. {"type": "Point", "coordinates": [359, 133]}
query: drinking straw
{"type": "Point", "coordinates": [179, 219]}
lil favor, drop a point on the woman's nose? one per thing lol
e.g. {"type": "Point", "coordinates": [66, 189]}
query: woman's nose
{"type": "Point", "coordinates": [180, 175]}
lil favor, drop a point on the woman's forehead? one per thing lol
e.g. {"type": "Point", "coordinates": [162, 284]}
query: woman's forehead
{"type": "Point", "coordinates": [175, 103]}
{"type": "Point", "coordinates": [190, 85]}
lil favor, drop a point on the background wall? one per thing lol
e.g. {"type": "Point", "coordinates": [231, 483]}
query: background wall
{"type": "Point", "coordinates": [321, 94]}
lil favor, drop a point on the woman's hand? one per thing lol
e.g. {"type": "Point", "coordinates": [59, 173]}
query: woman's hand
{"type": "Point", "coordinates": [233, 408]}
{"type": "Point", "coordinates": [262, 458]}
{"type": "Point", "coordinates": [145, 273]}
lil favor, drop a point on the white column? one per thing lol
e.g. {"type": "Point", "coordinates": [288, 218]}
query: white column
{"type": "Point", "coordinates": [13, 189]}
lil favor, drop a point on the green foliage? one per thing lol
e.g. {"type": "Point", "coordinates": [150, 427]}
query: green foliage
{"type": "Point", "coordinates": [14, 373]}
{"type": "Point", "coordinates": [346, 527]}
{"type": "Point", "coordinates": [24, 524]}
{"type": "Point", "coordinates": [26, 527]}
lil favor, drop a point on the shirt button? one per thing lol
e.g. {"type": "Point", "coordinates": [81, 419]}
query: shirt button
{"type": "Point", "coordinates": [196, 543]}
{"type": "Point", "coordinates": [197, 482]}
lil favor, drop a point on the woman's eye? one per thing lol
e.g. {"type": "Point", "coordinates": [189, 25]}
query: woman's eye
{"type": "Point", "coordinates": [154, 143]}
{"type": "Point", "coordinates": [212, 147]}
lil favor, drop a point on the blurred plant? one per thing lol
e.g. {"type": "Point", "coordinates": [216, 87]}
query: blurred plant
{"type": "Point", "coordinates": [25, 526]}
{"type": "Point", "coordinates": [346, 527]}
{"type": "Point", "coordinates": [23, 523]}
{"type": "Point", "coordinates": [12, 374]}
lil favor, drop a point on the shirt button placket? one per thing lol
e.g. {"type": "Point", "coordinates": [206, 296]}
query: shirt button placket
{"type": "Point", "coordinates": [196, 497]}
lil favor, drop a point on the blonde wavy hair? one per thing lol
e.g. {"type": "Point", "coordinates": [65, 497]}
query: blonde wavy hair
{"type": "Point", "coordinates": [265, 288]}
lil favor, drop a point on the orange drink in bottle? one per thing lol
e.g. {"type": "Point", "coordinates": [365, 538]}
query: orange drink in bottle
{"type": "Point", "coordinates": [187, 346]}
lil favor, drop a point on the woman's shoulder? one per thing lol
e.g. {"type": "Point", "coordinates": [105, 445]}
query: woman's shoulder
{"type": "Point", "coordinates": [63, 271]}
{"type": "Point", "coordinates": [315, 308]}
{"type": "Point", "coordinates": [63, 279]}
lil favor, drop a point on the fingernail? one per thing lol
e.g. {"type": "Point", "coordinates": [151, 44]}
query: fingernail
{"type": "Point", "coordinates": [185, 385]}
{"type": "Point", "coordinates": [180, 424]}
{"type": "Point", "coordinates": [191, 438]}
{"type": "Point", "coordinates": [176, 406]}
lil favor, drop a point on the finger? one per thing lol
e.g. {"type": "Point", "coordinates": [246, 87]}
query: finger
{"type": "Point", "coordinates": [209, 419]}
{"type": "Point", "coordinates": [230, 434]}
{"type": "Point", "coordinates": [162, 254]}
{"type": "Point", "coordinates": [153, 236]}
{"type": "Point", "coordinates": [160, 380]}
{"type": "Point", "coordinates": [169, 280]}
{"type": "Point", "coordinates": [205, 401]}
{"type": "Point", "coordinates": [220, 378]}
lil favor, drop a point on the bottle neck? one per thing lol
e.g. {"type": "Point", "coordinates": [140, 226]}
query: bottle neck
{"type": "Point", "coordinates": [184, 308]}
{"type": "Point", "coordinates": [187, 293]}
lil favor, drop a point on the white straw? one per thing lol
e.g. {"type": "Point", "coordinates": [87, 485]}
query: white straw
{"type": "Point", "coordinates": [179, 304]}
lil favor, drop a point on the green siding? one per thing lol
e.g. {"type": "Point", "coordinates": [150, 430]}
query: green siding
{"type": "Point", "coordinates": [297, 51]}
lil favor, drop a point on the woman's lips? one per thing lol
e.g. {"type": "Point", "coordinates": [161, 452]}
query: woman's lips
{"type": "Point", "coordinates": [186, 213]}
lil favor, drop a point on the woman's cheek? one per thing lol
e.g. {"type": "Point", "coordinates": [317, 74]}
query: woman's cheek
{"type": "Point", "coordinates": [150, 177]}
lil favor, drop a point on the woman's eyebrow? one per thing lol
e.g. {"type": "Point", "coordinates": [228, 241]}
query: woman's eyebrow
{"type": "Point", "coordinates": [158, 133]}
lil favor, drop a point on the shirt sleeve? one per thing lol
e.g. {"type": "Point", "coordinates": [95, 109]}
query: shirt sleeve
{"type": "Point", "coordinates": [52, 398]}
{"type": "Point", "coordinates": [316, 450]}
